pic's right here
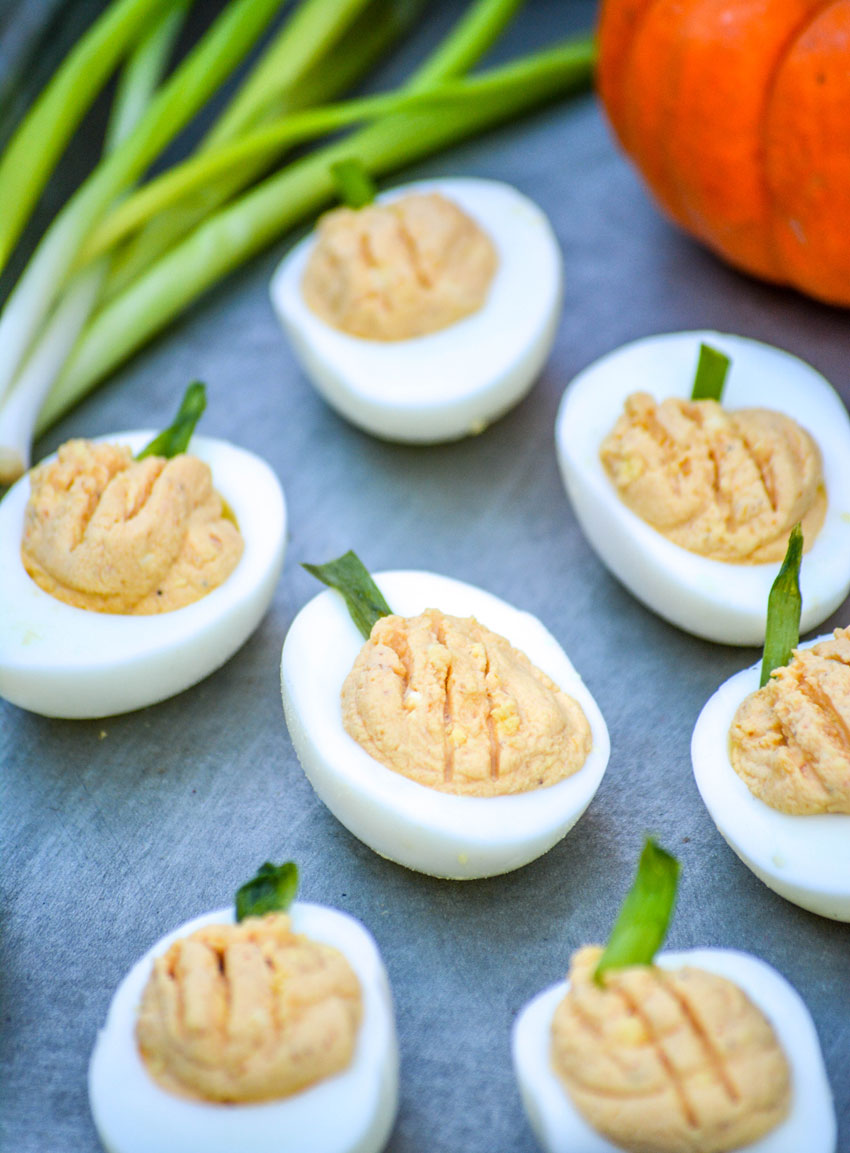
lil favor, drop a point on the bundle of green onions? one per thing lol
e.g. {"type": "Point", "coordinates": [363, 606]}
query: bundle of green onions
{"type": "Point", "coordinates": [119, 262]}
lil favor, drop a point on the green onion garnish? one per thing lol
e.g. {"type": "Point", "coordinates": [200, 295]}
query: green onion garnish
{"type": "Point", "coordinates": [784, 605]}
{"type": "Point", "coordinates": [271, 891]}
{"type": "Point", "coordinates": [355, 186]}
{"type": "Point", "coordinates": [710, 378]}
{"type": "Point", "coordinates": [349, 576]}
{"type": "Point", "coordinates": [176, 437]}
{"type": "Point", "coordinates": [642, 924]}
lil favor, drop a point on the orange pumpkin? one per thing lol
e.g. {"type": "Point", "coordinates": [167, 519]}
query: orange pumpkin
{"type": "Point", "coordinates": [737, 113]}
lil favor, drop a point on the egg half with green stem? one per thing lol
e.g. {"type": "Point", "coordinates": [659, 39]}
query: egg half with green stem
{"type": "Point", "coordinates": [454, 382]}
{"type": "Point", "coordinates": [431, 831]}
{"type": "Point", "coordinates": [350, 1112]}
{"type": "Point", "coordinates": [717, 600]}
{"type": "Point", "coordinates": [560, 1128]}
{"type": "Point", "coordinates": [62, 661]}
{"type": "Point", "coordinates": [804, 858]}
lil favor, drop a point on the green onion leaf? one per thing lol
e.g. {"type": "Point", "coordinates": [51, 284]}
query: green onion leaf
{"type": "Point", "coordinates": [176, 437]}
{"type": "Point", "coordinates": [642, 924]}
{"type": "Point", "coordinates": [710, 378]}
{"type": "Point", "coordinates": [784, 605]}
{"type": "Point", "coordinates": [271, 891]}
{"type": "Point", "coordinates": [355, 186]}
{"type": "Point", "coordinates": [349, 576]}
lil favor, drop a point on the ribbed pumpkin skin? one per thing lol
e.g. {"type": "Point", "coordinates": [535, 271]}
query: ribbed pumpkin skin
{"type": "Point", "coordinates": [737, 113]}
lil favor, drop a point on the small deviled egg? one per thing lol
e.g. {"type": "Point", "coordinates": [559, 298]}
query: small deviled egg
{"type": "Point", "coordinates": [431, 831]}
{"type": "Point", "coordinates": [718, 600]}
{"type": "Point", "coordinates": [804, 858]}
{"type": "Point", "coordinates": [351, 1111]}
{"type": "Point", "coordinates": [63, 661]}
{"type": "Point", "coordinates": [560, 1128]}
{"type": "Point", "coordinates": [453, 382]}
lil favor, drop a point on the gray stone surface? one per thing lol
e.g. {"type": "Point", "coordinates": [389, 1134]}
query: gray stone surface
{"type": "Point", "coordinates": [115, 831]}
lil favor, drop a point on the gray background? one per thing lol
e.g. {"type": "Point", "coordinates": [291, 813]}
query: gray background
{"type": "Point", "coordinates": [117, 831]}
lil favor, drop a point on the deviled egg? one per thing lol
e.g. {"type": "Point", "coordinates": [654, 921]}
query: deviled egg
{"type": "Point", "coordinates": [805, 857]}
{"type": "Point", "coordinates": [66, 661]}
{"type": "Point", "coordinates": [158, 1081]}
{"type": "Point", "coordinates": [720, 600]}
{"type": "Point", "coordinates": [560, 1128]}
{"type": "Point", "coordinates": [447, 383]}
{"type": "Point", "coordinates": [432, 829]}
{"type": "Point", "coordinates": [704, 1051]}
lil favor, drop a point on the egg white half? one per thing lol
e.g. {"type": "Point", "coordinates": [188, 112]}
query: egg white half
{"type": "Point", "coordinates": [560, 1128]}
{"type": "Point", "coordinates": [722, 602]}
{"type": "Point", "coordinates": [62, 661]}
{"type": "Point", "coordinates": [805, 859]}
{"type": "Point", "coordinates": [454, 382]}
{"type": "Point", "coordinates": [412, 824]}
{"type": "Point", "coordinates": [352, 1112]}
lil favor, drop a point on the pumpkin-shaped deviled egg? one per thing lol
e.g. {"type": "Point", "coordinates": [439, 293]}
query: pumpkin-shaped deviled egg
{"type": "Point", "coordinates": [426, 315]}
{"type": "Point", "coordinates": [134, 568]}
{"type": "Point", "coordinates": [271, 1029]}
{"type": "Point", "coordinates": [703, 1051]}
{"type": "Point", "coordinates": [687, 486]}
{"type": "Point", "coordinates": [458, 740]}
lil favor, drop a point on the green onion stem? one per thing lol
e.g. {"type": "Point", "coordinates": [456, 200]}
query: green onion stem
{"type": "Point", "coordinates": [350, 577]}
{"type": "Point", "coordinates": [175, 439]}
{"type": "Point", "coordinates": [272, 890]}
{"type": "Point", "coordinates": [244, 228]}
{"type": "Point", "coordinates": [272, 86]}
{"type": "Point", "coordinates": [200, 74]}
{"type": "Point", "coordinates": [354, 186]}
{"type": "Point", "coordinates": [784, 606]}
{"type": "Point", "coordinates": [645, 915]}
{"type": "Point", "coordinates": [710, 378]}
{"type": "Point", "coordinates": [19, 408]}
{"type": "Point", "coordinates": [36, 146]}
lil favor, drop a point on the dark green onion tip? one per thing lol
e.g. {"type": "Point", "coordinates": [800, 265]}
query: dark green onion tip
{"type": "Point", "coordinates": [710, 378]}
{"type": "Point", "coordinates": [271, 891]}
{"type": "Point", "coordinates": [354, 185]}
{"type": "Point", "coordinates": [645, 915]}
{"type": "Point", "coordinates": [349, 576]}
{"type": "Point", "coordinates": [784, 606]}
{"type": "Point", "coordinates": [175, 439]}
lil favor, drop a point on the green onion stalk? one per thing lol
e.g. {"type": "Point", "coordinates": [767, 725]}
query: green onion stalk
{"type": "Point", "coordinates": [280, 202]}
{"type": "Point", "coordinates": [139, 81]}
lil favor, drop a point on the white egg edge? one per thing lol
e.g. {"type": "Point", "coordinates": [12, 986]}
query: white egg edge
{"type": "Point", "coordinates": [351, 1112]}
{"type": "Point", "coordinates": [693, 592]}
{"type": "Point", "coordinates": [811, 1124]}
{"type": "Point", "coordinates": [61, 661]}
{"type": "Point", "coordinates": [416, 826]}
{"type": "Point", "coordinates": [805, 859]}
{"type": "Point", "coordinates": [429, 389]}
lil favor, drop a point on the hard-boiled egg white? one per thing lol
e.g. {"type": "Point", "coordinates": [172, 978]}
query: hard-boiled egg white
{"type": "Point", "coordinates": [62, 661]}
{"type": "Point", "coordinates": [454, 382]}
{"type": "Point", "coordinates": [412, 824]}
{"type": "Point", "coordinates": [561, 1129]}
{"type": "Point", "coordinates": [352, 1112]}
{"type": "Point", "coordinates": [712, 599]}
{"type": "Point", "coordinates": [805, 859]}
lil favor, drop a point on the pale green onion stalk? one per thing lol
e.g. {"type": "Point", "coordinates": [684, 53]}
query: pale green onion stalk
{"type": "Point", "coordinates": [214, 58]}
{"type": "Point", "coordinates": [314, 27]}
{"type": "Point", "coordinates": [19, 408]}
{"type": "Point", "coordinates": [36, 146]}
{"type": "Point", "coordinates": [234, 234]}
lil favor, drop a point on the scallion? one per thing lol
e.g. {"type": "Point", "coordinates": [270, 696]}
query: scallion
{"type": "Point", "coordinates": [272, 890]}
{"type": "Point", "coordinates": [349, 576]}
{"type": "Point", "coordinates": [355, 186]}
{"type": "Point", "coordinates": [710, 377]}
{"type": "Point", "coordinates": [784, 606]}
{"type": "Point", "coordinates": [645, 915]}
{"type": "Point", "coordinates": [175, 439]}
